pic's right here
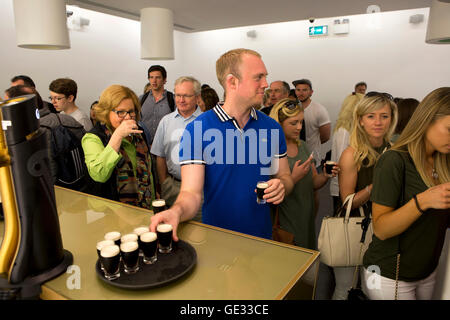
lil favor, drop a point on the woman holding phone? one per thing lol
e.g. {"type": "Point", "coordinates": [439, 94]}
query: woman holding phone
{"type": "Point", "coordinates": [296, 212]}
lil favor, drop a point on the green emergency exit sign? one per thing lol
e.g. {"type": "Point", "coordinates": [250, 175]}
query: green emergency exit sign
{"type": "Point", "coordinates": [318, 31]}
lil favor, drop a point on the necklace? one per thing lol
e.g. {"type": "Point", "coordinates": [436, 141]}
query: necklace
{"type": "Point", "coordinates": [434, 174]}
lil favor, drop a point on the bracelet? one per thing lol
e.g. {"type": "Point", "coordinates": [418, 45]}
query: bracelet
{"type": "Point", "coordinates": [417, 205]}
{"type": "Point", "coordinates": [368, 190]}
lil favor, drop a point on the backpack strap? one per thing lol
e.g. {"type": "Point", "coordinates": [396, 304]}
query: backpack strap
{"type": "Point", "coordinates": [59, 119]}
{"type": "Point", "coordinates": [144, 97]}
{"type": "Point", "coordinates": [171, 101]}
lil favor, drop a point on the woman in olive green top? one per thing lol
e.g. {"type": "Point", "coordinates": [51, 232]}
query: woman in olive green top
{"type": "Point", "coordinates": [296, 212]}
{"type": "Point", "coordinates": [374, 121]}
{"type": "Point", "coordinates": [411, 205]}
{"type": "Point", "coordinates": [116, 152]}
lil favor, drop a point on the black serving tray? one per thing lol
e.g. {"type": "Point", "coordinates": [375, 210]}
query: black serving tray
{"type": "Point", "coordinates": [168, 268]}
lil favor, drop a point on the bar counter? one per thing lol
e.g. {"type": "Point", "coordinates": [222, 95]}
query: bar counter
{"type": "Point", "coordinates": [230, 265]}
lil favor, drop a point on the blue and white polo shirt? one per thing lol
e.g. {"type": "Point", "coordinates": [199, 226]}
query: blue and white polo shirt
{"type": "Point", "coordinates": [235, 159]}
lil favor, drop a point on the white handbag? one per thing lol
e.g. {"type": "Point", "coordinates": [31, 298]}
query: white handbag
{"type": "Point", "coordinates": [339, 238]}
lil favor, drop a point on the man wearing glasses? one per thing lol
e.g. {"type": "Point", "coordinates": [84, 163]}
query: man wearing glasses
{"type": "Point", "coordinates": [63, 93]}
{"type": "Point", "coordinates": [167, 138]}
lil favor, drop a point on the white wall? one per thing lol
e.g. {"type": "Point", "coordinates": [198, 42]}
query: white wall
{"type": "Point", "coordinates": [390, 55]}
{"type": "Point", "coordinates": [391, 58]}
{"type": "Point", "coordinates": [103, 53]}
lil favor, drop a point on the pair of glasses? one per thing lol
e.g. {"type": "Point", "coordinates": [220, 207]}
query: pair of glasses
{"type": "Point", "coordinates": [55, 98]}
{"type": "Point", "coordinates": [185, 96]}
{"type": "Point", "coordinates": [123, 113]}
{"type": "Point", "coordinates": [383, 94]}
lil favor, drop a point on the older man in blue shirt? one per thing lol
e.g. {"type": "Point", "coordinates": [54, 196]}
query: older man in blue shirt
{"type": "Point", "coordinates": [167, 138]}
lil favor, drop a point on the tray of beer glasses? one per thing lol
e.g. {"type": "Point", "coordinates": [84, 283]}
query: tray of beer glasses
{"type": "Point", "coordinates": [152, 260]}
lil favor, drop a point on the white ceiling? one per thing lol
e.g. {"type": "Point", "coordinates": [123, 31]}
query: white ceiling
{"type": "Point", "coordinates": [203, 15]}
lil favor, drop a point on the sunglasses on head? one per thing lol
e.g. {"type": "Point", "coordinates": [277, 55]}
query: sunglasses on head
{"type": "Point", "coordinates": [291, 105]}
{"type": "Point", "coordinates": [382, 94]}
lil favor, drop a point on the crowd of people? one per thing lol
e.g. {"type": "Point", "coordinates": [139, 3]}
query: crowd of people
{"type": "Point", "coordinates": [204, 157]}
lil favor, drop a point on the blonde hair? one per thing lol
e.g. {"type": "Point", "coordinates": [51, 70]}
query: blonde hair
{"type": "Point", "coordinates": [433, 107]}
{"type": "Point", "coordinates": [345, 116]}
{"type": "Point", "coordinates": [230, 62]}
{"type": "Point", "coordinates": [359, 140]}
{"type": "Point", "coordinates": [110, 98]}
{"type": "Point", "coordinates": [280, 112]}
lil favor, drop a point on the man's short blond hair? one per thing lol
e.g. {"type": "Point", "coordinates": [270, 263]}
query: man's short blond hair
{"type": "Point", "coordinates": [230, 62]}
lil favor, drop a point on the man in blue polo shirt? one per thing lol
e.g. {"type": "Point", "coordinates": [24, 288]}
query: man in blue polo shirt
{"type": "Point", "coordinates": [227, 150]}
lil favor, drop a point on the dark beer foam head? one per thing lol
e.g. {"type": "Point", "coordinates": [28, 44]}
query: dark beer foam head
{"type": "Point", "coordinates": [129, 237]}
{"type": "Point", "coordinates": [330, 162]}
{"type": "Point", "coordinates": [109, 251]}
{"type": "Point", "coordinates": [104, 243]}
{"type": "Point", "coordinates": [164, 228]}
{"type": "Point", "coordinates": [159, 203]}
{"type": "Point", "coordinates": [113, 235]}
{"type": "Point", "coordinates": [262, 185]}
{"type": "Point", "coordinates": [148, 237]}
{"type": "Point", "coordinates": [129, 246]}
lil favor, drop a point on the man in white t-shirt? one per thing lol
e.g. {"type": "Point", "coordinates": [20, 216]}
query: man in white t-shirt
{"type": "Point", "coordinates": [63, 93]}
{"type": "Point", "coordinates": [317, 119]}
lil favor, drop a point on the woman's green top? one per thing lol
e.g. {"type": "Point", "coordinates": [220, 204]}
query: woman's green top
{"type": "Point", "coordinates": [296, 212]}
{"type": "Point", "coordinates": [396, 181]}
{"type": "Point", "coordinates": [100, 160]}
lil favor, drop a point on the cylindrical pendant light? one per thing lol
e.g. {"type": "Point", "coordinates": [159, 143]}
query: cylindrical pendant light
{"type": "Point", "coordinates": [438, 30]}
{"type": "Point", "coordinates": [41, 24]}
{"type": "Point", "coordinates": [157, 34]}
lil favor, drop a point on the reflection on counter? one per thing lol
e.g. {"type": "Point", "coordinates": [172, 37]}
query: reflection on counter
{"type": "Point", "coordinates": [229, 265]}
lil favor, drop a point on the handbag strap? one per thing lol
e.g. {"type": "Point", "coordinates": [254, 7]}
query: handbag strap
{"type": "Point", "coordinates": [355, 274]}
{"type": "Point", "coordinates": [397, 267]}
{"type": "Point", "coordinates": [397, 271]}
{"type": "Point", "coordinates": [276, 222]}
{"type": "Point", "coordinates": [349, 203]}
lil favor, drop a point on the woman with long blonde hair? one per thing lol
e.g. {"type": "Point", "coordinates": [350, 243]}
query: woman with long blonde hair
{"type": "Point", "coordinates": [374, 121]}
{"type": "Point", "coordinates": [411, 204]}
{"type": "Point", "coordinates": [341, 139]}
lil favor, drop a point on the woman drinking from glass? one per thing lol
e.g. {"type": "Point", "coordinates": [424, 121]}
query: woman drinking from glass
{"type": "Point", "coordinates": [116, 152]}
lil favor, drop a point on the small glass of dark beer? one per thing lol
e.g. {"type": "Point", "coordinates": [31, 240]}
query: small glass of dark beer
{"type": "Point", "coordinates": [260, 187]}
{"type": "Point", "coordinates": [114, 236]}
{"type": "Point", "coordinates": [130, 256]}
{"type": "Point", "coordinates": [100, 245]}
{"type": "Point", "coordinates": [158, 205]}
{"type": "Point", "coordinates": [110, 259]}
{"type": "Point", "coordinates": [139, 231]}
{"type": "Point", "coordinates": [328, 167]}
{"type": "Point", "coordinates": [164, 232]}
{"type": "Point", "coordinates": [149, 247]}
